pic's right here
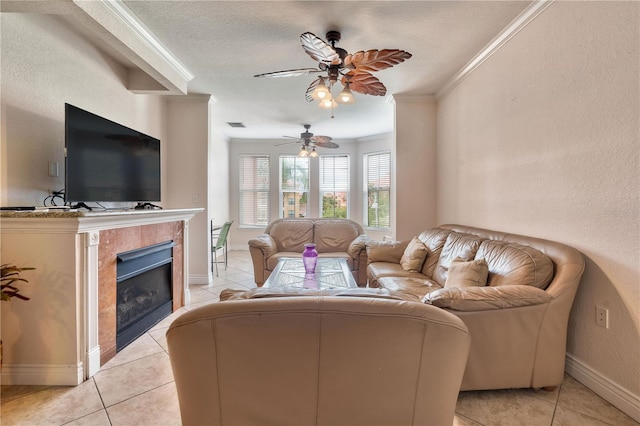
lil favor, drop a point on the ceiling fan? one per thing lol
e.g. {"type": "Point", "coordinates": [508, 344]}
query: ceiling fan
{"type": "Point", "coordinates": [353, 70]}
{"type": "Point", "coordinates": [310, 142]}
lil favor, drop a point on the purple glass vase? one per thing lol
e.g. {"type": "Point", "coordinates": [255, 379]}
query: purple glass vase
{"type": "Point", "coordinates": [309, 258]}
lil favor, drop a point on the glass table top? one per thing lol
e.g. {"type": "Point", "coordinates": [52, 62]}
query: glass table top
{"type": "Point", "coordinates": [330, 273]}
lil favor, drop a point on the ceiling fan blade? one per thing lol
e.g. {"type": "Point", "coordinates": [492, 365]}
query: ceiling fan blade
{"type": "Point", "coordinates": [327, 144]}
{"type": "Point", "coordinates": [365, 83]}
{"type": "Point", "coordinates": [375, 60]}
{"type": "Point", "coordinates": [289, 73]}
{"type": "Point", "coordinates": [311, 88]}
{"type": "Point", "coordinates": [320, 139]}
{"type": "Point", "coordinates": [318, 49]}
{"type": "Point", "coordinates": [288, 143]}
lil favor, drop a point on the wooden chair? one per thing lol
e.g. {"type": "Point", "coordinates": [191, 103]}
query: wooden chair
{"type": "Point", "coordinates": [219, 242]}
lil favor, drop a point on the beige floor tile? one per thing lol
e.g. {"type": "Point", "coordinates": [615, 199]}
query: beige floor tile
{"type": "Point", "coordinates": [459, 420]}
{"type": "Point", "coordinates": [52, 406]}
{"type": "Point", "coordinates": [160, 336]}
{"type": "Point", "coordinates": [156, 407]}
{"type": "Point", "coordinates": [202, 295]}
{"type": "Point", "coordinates": [142, 347]}
{"type": "Point", "coordinates": [566, 417]}
{"type": "Point", "coordinates": [11, 392]}
{"type": "Point", "coordinates": [133, 378]}
{"type": "Point", "coordinates": [577, 397]}
{"type": "Point", "coordinates": [99, 418]}
{"type": "Point", "coordinates": [505, 408]}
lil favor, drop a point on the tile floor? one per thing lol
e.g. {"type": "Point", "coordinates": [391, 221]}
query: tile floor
{"type": "Point", "coordinates": [136, 387]}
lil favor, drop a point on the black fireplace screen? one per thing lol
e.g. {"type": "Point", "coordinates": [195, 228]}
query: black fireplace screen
{"type": "Point", "coordinates": [144, 290]}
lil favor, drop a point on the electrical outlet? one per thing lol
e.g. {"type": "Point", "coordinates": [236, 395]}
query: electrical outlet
{"type": "Point", "coordinates": [602, 317]}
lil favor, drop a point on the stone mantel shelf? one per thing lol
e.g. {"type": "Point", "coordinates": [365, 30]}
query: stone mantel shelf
{"type": "Point", "coordinates": [85, 221]}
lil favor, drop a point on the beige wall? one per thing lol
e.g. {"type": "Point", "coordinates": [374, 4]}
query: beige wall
{"type": "Point", "coordinates": [187, 121]}
{"type": "Point", "coordinates": [543, 139]}
{"type": "Point", "coordinates": [415, 165]}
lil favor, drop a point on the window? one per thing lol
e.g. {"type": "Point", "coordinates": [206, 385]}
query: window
{"type": "Point", "coordinates": [254, 190]}
{"type": "Point", "coordinates": [334, 185]}
{"type": "Point", "coordinates": [294, 184]}
{"type": "Point", "coordinates": [377, 185]}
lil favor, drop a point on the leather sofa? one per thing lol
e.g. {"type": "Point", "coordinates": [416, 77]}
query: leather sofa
{"type": "Point", "coordinates": [513, 292]}
{"type": "Point", "coordinates": [317, 360]}
{"type": "Point", "coordinates": [286, 238]}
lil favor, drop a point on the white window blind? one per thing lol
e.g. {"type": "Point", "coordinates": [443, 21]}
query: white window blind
{"type": "Point", "coordinates": [334, 185]}
{"type": "Point", "coordinates": [254, 190]}
{"type": "Point", "coordinates": [378, 189]}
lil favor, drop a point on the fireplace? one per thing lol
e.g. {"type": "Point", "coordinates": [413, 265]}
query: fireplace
{"type": "Point", "coordinates": [144, 290]}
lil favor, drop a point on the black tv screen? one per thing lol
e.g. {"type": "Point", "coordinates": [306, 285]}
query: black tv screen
{"type": "Point", "coordinates": [106, 161]}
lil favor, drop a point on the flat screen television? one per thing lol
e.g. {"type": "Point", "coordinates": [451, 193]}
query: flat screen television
{"type": "Point", "coordinates": [108, 162]}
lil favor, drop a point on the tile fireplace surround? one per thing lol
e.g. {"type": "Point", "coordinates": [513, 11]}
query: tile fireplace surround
{"type": "Point", "coordinates": [68, 329]}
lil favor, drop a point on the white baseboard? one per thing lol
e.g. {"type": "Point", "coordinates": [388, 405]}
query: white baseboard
{"type": "Point", "coordinates": [200, 279]}
{"type": "Point", "coordinates": [42, 374]}
{"type": "Point", "coordinates": [615, 394]}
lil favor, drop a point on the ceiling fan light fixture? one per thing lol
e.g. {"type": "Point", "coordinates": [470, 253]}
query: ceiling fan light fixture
{"type": "Point", "coordinates": [303, 152]}
{"type": "Point", "coordinates": [314, 153]}
{"type": "Point", "coordinates": [328, 103]}
{"type": "Point", "coordinates": [321, 91]}
{"type": "Point", "coordinates": [346, 97]}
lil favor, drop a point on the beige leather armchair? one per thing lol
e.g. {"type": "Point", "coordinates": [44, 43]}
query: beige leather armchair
{"type": "Point", "coordinates": [318, 360]}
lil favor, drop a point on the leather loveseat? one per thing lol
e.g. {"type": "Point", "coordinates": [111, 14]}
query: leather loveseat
{"type": "Point", "coordinates": [286, 238]}
{"type": "Point", "coordinates": [513, 292]}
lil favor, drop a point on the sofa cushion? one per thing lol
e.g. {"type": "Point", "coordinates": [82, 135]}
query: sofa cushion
{"type": "Point", "coordinates": [459, 245]}
{"type": "Point", "coordinates": [472, 273]}
{"type": "Point", "coordinates": [292, 235]}
{"type": "Point", "coordinates": [412, 287]}
{"type": "Point", "coordinates": [414, 256]}
{"type": "Point", "coordinates": [378, 270]}
{"type": "Point", "coordinates": [487, 298]}
{"type": "Point", "coordinates": [434, 240]}
{"type": "Point", "coordinates": [515, 264]}
{"type": "Point", "coordinates": [385, 251]}
{"type": "Point", "coordinates": [334, 235]}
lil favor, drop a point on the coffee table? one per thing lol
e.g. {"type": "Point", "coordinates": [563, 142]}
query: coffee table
{"type": "Point", "coordinates": [331, 272]}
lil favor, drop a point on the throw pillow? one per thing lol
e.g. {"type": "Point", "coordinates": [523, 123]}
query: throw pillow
{"type": "Point", "coordinates": [414, 256]}
{"type": "Point", "coordinates": [471, 273]}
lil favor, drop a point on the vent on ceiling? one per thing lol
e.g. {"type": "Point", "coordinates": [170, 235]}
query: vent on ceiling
{"type": "Point", "coordinates": [235, 124]}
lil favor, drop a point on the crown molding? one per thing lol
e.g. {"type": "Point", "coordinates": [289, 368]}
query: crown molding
{"type": "Point", "coordinates": [514, 27]}
{"type": "Point", "coordinates": [122, 12]}
{"type": "Point", "coordinates": [393, 99]}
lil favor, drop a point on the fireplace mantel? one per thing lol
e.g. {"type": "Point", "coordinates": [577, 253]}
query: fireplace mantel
{"type": "Point", "coordinates": [56, 337]}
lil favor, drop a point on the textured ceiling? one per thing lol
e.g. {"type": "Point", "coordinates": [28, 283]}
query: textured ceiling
{"type": "Point", "coordinates": [225, 43]}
